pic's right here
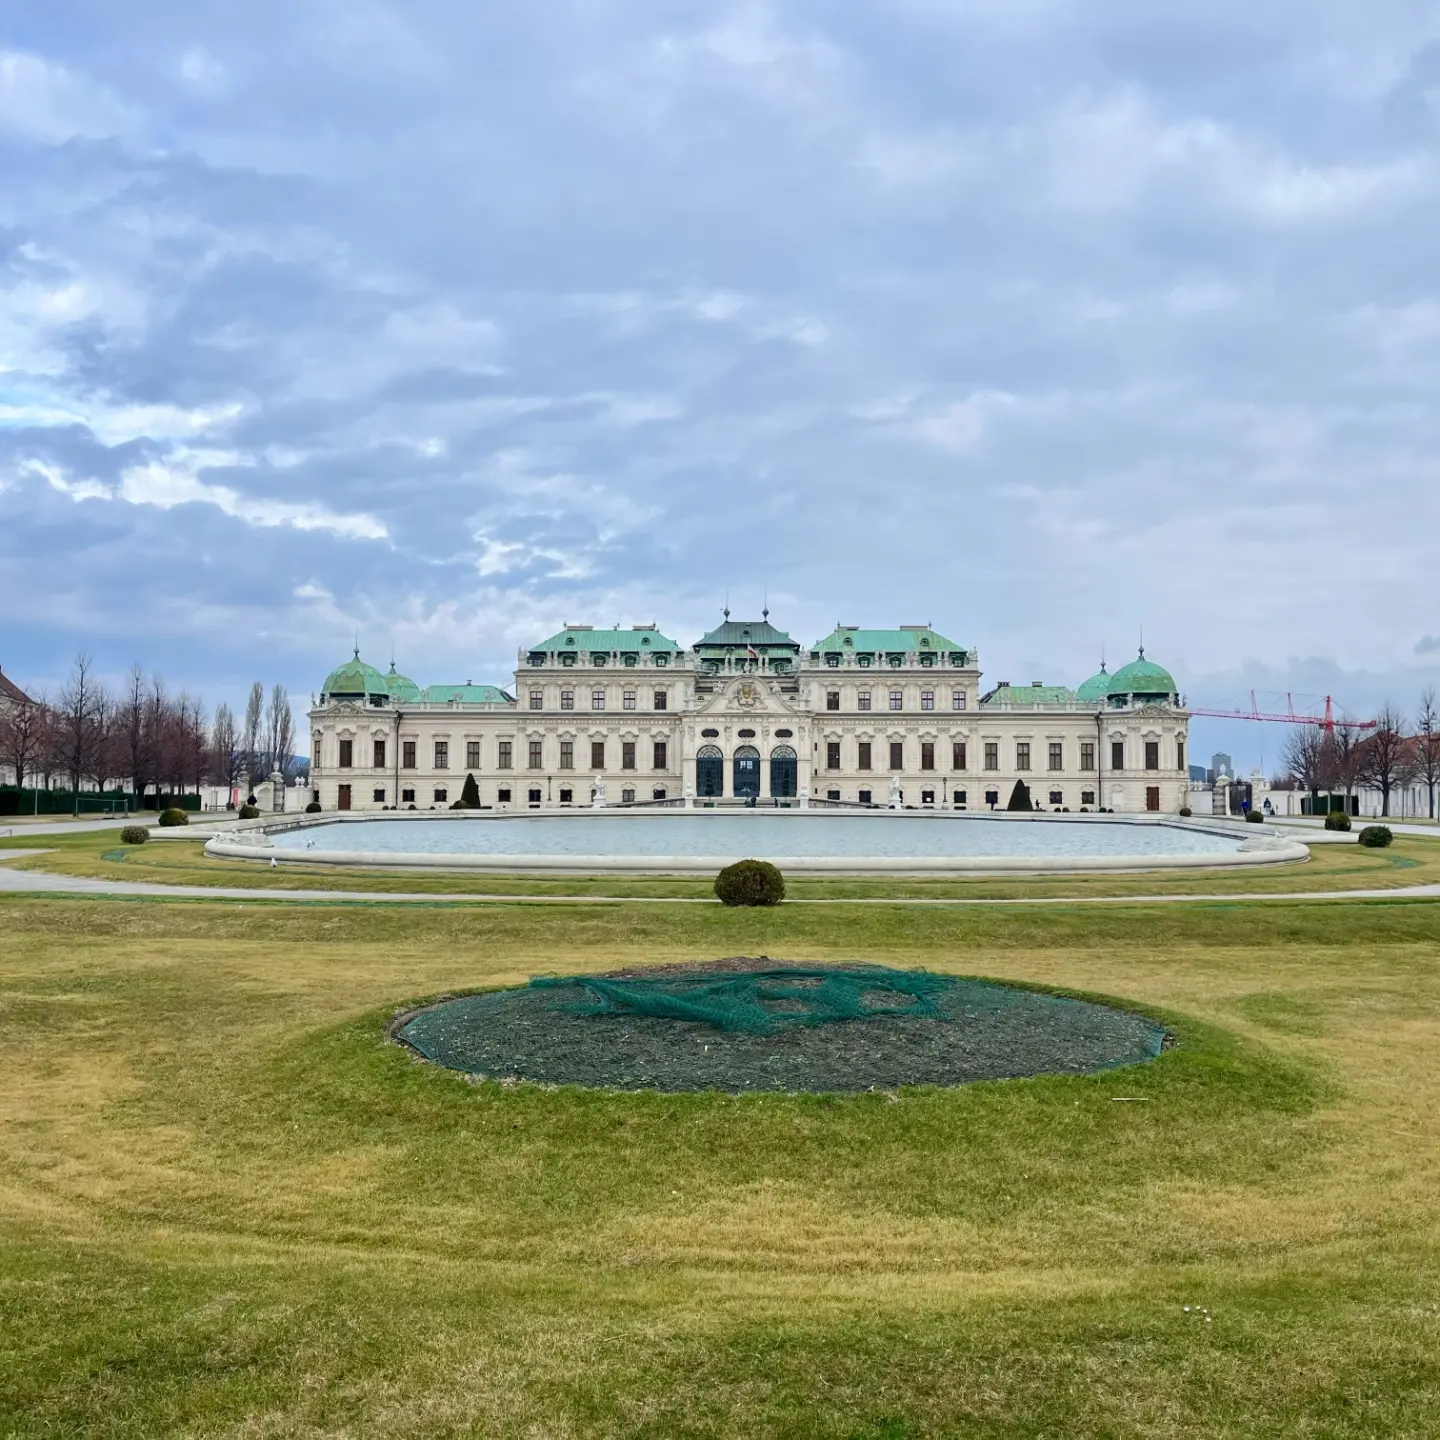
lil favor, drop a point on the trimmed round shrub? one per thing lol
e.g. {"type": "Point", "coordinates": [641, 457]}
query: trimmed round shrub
{"type": "Point", "coordinates": [750, 882]}
{"type": "Point", "coordinates": [1255, 817]}
{"type": "Point", "coordinates": [249, 812]}
{"type": "Point", "coordinates": [1337, 820]}
{"type": "Point", "coordinates": [174, 817]}
{"type": "Point", "coordinates": [313, 808]}
{"type": "Point", "coordinates": [134, 835]}
{"type": "Point", "coordinates": [1376, 837]}
{"type": "Point", "coordinates": [1186, 812]}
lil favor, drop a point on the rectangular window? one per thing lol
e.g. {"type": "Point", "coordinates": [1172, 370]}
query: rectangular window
{"type": "Point", "coordinates": [537, 699]}
{"type": "Point", "coordinates": [597, 699]}
{"type": "Point", "coordinates": [832, 661]}
{"type": "Point", "coordinates": [537, 755]}
{"type": "Point", "coordinates": [627, 796]}
{"type": "Point", "coordinates": [992, 754]}
{"type": "Point", "coordinates": [347, 752]}
{"type": "Point", "coordinates": [864, 700]}
{"type": "Point", "coordinates": [658, 793]}
{"type": "Point", "coordinates": [832, 754]}
{"type": "Point", "coordinates": [534, 797]}
{"type": "Point", "coordinates": [662, 755]}
{"type": "Point", "coordinates": [628, 700]}
{"type": "Point", "coordinates": [316, 753]}
{"type": "Point", "coordinates": [1152, 754]}
{"type": "Point", "coordinates": [927, 754]}
{"type": "Point", "coordinates": [1057, 755]}
{"type": "Point", "coordinates": [832, 699]}
{"type": "Point", "coordinates": [472, 754]}
{"type": "Point", "coordinates": [442, 754]}
{"type": "Point", "coordinates": [379, 749]}
{"type": "Point", "coordinates": [567, 754]}
{"type": "Point", "coordinates": [379, 797]}
{"type": "Point", "coordinates": [441, 796]}
{"type": "Point", "coordinates": [1022, 754]}
{"type": "Point", "coordinates": [1087, 754]}
{"type": "Point", "coordinates": [1180, 753]}
{"type": "Point", "coordinates": [927, 699]}
{"type": "Point", "coordinates": [662, 699]}
{"type": "Point", "coordinates": [627, 754]}
{"type": "Point", "coordinates": [897, 754]}
{"type": "Point", "coordinates": [567, 699]}
{"type": "Point", "coordinates": [1087, 797]}
{"type": "Point", "coordinates": [958, 797]}
{"type": "Point", "coordinates": [504, 754]}
{"type": "Point", "coordinates": [927, 797]}
{"type": "Point", "coordinates": [407, 797]}
{"type": "Point", "coordinates": [502, 796]}
{"type": "Point", "coordinates": [863, 762]}
{"type": "Point", "coordinates": [597, 754]}
{"type": "Point", "coordinates": [957, 755]}
{"type": "Point", "coordinates": [865, 797]}
{"type": "Point", "coordinates": [957, 699]}
{"type": "Point", "coordinates": [897, 700]}
{"type": "Point", "coordinates": [1056, 798]}
{"type": "Point", "coordinates": [567, 797]}
{"type": "Point", "coordinates": [1117, 754]}
{"type": "Point", "coordinates": [407, 754]}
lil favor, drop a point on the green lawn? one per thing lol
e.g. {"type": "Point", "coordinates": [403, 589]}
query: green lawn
{"type": "Point", "coordinates": [228, 1207]}
{"type": "Point", "coordinates": [1411, 860]}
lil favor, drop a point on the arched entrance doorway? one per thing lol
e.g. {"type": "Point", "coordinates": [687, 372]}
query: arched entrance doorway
{"type": "Point", "coordinates": [747, 772]}
{"type": "Point", "coordinates": [709, 772]}
{"type": "Point", "coordinates": [784, 772]}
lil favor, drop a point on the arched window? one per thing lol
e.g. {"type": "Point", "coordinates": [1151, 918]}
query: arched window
{"type": "Point", "coordinates": [747, 772]}
{"type": "Point", "coordinates": [709, 772]}
{"type": "Point", "coordinates": [784, 772]}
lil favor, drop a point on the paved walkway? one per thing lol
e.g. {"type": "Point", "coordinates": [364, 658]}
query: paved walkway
{"type": "Point", "coordinates": [36, 882]}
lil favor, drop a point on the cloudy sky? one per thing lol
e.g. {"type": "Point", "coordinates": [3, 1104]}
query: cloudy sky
{"type": "Point", "coordinates": [1043, 321]}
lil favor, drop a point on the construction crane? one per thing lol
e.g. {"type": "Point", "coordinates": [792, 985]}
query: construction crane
{"type": "Point", "coordinates": [1327, 721]}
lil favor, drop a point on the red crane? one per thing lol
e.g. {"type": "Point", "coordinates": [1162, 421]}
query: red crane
{"type": "Point", "coordinates": [1325, 721]}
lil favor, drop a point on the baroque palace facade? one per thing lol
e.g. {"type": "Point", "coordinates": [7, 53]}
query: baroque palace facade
{"type": "Point", "coordinates": [627, 716]}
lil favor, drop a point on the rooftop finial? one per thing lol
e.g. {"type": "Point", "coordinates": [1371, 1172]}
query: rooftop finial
{"type": "Point", "coordinates": [765, 609]}
{"type": "Point", "coordinates": [726, 611]}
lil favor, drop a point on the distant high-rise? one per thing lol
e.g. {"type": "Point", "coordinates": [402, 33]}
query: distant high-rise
{"type": "Point", "coordinates": [1221, 764]}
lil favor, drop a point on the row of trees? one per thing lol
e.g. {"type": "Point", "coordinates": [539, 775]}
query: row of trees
{"type": "Point", "coordinates": [142, 736]}
{"type": "Point", "coordinates": [1396, 755]}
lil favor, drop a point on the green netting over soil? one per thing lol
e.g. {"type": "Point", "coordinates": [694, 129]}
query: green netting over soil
{"type": "Point", "coordinates": [755, 1024]}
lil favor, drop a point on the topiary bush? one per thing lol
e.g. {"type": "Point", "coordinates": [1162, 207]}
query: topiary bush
{"type": "Point", "coordinates": [134, 835]}
{"type": "Point", "coordinates": [174, 817]}
{"type": "Point", "coordinates": [469, 795]}
{"type": "Point", "coordinates": [1337, 820]}
{"type": "Point", "coordinates": [1186, 812]}
{"type": "Point", "coordinates": [1020, 797]}
{"type": "Point", "coordinates": [1376, 837]}
{"type": "Point", "coordinates": [750, 882]}
{"type": "Point", "coordinates": [313, 808]}
{"type": "Point", "coordinates": [1255, 817]}
{"type": "Point", "coordinates": [247, 812]}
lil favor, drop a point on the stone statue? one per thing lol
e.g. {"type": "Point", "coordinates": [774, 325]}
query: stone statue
{"type": "Point", "coordinates": [597, 793]}
{"type": "Point", "coordinates": [894, 792]}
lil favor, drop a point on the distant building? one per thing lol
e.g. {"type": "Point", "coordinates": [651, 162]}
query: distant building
{"type": "Point", "coordinates": [863, 716]}
{"type": "Point", "coordinates": [1220, 764]}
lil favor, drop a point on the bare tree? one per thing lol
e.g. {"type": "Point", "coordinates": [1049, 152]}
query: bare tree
{"type": "Point", "coordinates": [226, 757]}
{"type": "Point", "coordinates": [24, 736]}
{"type": "Point", "coordinates": [1310, 759]}
{"type": "Point", "coordinates": [279, 729]}
{"type": "Point", "coordinates": [1427, 745]}
{"type": "Point", "coordinates": [1383, 754]}
{"type": "Point", "coordinates": [81, 712]}
{"type": "Point", "coordinates": [1347, 758]}
{"type": "Point", "coordinates": [253, 759]}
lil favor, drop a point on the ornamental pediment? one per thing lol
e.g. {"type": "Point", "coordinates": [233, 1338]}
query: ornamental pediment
{"type": "Point", "coordinates": [748, 695]}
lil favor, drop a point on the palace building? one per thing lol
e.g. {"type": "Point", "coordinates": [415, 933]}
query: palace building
{"type": "Point", "coordinates": [747, 714]}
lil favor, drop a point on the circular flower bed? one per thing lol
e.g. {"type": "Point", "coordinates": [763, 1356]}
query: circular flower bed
{"type": "Point", "coordinates": [757, 1024]}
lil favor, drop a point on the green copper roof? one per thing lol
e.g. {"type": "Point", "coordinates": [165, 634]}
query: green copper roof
{"type": "Point", "coordinates": [1096, 687]}
{"type": "Point", "coordinates": [466, 694]}
{"type": "Point", "coordinates": [737, 634]}
{"type": "Point", "coordinates": [355, 677]}
{"type": "Point", "coordinates": [851, 639]}
{"type": "Point", "coordinates": [1029, 695]}
{"type": "Point", "coordinates": [637, 638]}
{"type": "Point", "coordinates": [401, 687]}
{"type": "Point", "coordinates": [1142, 677]}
